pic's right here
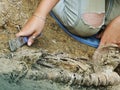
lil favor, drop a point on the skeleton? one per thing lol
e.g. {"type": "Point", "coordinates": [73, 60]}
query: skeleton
{"type": "Point", "coordinates": [61, 68]}
{"type": "Point", "coordinates": [76, 72]}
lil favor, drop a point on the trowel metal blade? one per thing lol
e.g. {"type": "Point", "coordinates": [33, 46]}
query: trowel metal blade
{"type": "Point", "coordinates": [16, 43]}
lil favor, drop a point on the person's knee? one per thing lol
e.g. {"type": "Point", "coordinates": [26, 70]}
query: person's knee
{"type": "Point", "coordinates": [93, 19]}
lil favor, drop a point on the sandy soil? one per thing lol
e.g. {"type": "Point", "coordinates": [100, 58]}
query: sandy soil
{"type": "Point", "coordinates": [52, 40]}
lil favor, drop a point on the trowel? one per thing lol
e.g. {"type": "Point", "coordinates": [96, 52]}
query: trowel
{"type": "Point", "coordinates": [16, 43]}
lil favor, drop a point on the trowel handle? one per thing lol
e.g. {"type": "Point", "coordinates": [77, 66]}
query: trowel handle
{"type": "Point", "coordinates": [25, 39]}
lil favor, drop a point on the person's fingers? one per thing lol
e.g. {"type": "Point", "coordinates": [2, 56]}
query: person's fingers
{"type": "Point", "coordinates": [118, 43]}
{"type": "Point", "coordinates": [105, 40]}
{"type": "Point", "coordinates": [20, 34]}
{"type": "Point", "coordinates": [24, 33]}
{"type": "Point", "coordinates": [102, 42]}
{"type": "Point", "coordinates": [32, 38]}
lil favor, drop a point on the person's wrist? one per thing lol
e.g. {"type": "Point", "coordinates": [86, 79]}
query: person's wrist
{"type": "Point", "coordinates": [40, 17]}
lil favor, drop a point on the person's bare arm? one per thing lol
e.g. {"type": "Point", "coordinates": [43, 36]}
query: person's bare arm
{"type": "Point", "coordinates": [45, 7]}
{"type": "Point", "coordinates": [35, 24]}
{"type": "Point", "coordinates": [112, 33]}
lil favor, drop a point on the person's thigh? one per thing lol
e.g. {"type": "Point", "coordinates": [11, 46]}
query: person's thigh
{"type": "Point", "coordinates": [68, 11]}
{"type": "Point", "coordinates": [75, 13]}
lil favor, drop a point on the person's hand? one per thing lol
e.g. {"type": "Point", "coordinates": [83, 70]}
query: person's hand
{"type": "Point", "coordinates": [112, 33]}
{"type": "Point", "coordinates": [32, 29]}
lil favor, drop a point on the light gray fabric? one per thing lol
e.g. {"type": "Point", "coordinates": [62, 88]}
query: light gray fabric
{"type": "Point", "coordinates": [70, 13]}
{"type": "Point", "coordinates": [114, 11]}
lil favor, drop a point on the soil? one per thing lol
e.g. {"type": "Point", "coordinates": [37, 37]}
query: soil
{"type": "Point", "coordinates": [52, 40]}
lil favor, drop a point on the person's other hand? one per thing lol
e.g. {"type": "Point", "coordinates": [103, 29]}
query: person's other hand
{"type": "Point", "coordinates": [32, 29]}
{"type": "Point", "coordinates": [112, 33]}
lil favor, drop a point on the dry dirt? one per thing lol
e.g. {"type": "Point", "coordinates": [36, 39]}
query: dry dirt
{"type": "Point", "coordinates": [52, 40]}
